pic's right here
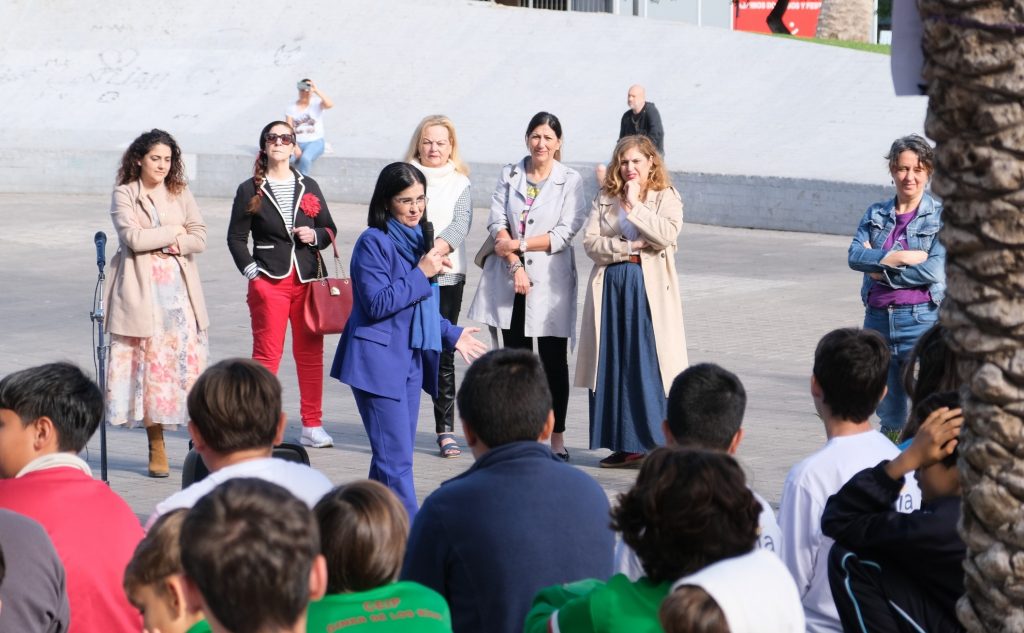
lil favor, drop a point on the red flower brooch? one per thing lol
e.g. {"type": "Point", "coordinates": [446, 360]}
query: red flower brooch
{"type": "Point", "coordinates": [310, 205]}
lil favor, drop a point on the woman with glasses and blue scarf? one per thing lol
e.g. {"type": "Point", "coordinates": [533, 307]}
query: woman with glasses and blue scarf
{"type": "Point", "coordinates": [392, 343]}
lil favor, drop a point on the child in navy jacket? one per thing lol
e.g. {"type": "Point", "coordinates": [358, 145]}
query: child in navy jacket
{"type": "Point", "coordinates": [891, 571]}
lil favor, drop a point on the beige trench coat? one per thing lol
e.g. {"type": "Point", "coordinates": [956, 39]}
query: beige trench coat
{"type": "Point", "coordinates": [659, 221]}
{"type": "Point", "coordinates": [129, 289]}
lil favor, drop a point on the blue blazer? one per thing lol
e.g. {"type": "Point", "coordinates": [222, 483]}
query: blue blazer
{"type": "Point", "coordinates": [373, 353]}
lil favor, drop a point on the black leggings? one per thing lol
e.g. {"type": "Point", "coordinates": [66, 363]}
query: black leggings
{"type": "Point", "coordinates": [554, 356]}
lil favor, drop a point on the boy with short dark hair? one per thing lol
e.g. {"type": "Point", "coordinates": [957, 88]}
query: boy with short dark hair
{"type": "Point", "coordinates": [235, 419]}
{"type": "Point", "coordinates": [47, 415]}
{"type": "Point", "coordinates": [705, 410]}
{"type": "Point", "coordinates": [519, 519]}
{"type": "Point", "coordinates": [848, 381]}
{"type": "Point", "coordinates": [251, 555]}
{"type": "Point", "coordinates": [889, 570]}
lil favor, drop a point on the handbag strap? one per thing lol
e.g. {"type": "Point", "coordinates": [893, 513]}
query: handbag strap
{"type": "Point", "coordinates": [339, 269]}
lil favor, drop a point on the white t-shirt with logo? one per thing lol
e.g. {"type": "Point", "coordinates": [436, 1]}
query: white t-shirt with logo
{"type": "Point", "coordinates": [808, 486]}
{"type": "Point", "coordinates": [309, 121]}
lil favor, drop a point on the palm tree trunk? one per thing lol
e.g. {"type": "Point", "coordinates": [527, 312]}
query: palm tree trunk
{"type": "Point", "coordinates": [974, 66]}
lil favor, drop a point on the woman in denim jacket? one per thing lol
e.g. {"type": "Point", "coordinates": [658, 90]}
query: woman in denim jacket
{"type": "Point", "coordinates": [897, 248]}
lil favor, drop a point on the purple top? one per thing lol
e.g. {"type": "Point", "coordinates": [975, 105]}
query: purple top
{"type": "Point", "coordinates": [882, 295]}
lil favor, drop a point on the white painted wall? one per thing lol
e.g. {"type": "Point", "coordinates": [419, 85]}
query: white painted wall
{"type": "Point", "coordinates": [88, 76]}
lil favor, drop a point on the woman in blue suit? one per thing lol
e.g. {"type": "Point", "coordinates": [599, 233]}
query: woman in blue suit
{"type": "Point", "coordinates": [391, 346]}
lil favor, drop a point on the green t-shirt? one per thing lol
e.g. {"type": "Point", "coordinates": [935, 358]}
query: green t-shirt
{"type": "Point", "coordinates": [398, 607]}
{"type": "Point", "coordinates": [592, 606]}
{"type": "Point", "coordinates": [201, 626]}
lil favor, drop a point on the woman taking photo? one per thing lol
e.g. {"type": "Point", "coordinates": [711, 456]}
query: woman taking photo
{"type": "Point", "coordinates": [528, 287]}
{"type": "Point", "coordinates": [391, 345]}
{"type": "Point", "coordinates": [897, 248]}
{"type": "Point", "coordinates": [156, 315]}
{"type": "Point", "coordinates": [287, 216]}
{"type": "Point", "coordinates": [632, 343]}
{"type": "Point", "coordinates": [434, 150]}
{"type": "Point", "coordinates": [306, 116]}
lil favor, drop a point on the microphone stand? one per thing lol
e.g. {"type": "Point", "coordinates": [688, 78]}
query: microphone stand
{"type": "Point", "coordinates": [97, 315]}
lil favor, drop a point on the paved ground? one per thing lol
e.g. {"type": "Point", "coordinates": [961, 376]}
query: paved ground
{"type": "Point", "coordinates": [755, 302]}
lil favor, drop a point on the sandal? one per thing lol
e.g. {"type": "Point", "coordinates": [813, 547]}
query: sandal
{"type": "Point", "coordinates": [451, 449]}
{"type": "Point", "coordinates": [564, 455]}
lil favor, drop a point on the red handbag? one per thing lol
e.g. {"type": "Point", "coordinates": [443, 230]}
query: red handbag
{"type": "Point", "coordinates": [329, 299]}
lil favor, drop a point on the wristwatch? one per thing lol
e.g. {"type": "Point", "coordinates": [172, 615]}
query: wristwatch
{"type": "Point", "coordinates": [522, 245]}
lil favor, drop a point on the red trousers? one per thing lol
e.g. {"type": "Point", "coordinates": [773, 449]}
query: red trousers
{"type": "Point", "coordinates": [272, 304]}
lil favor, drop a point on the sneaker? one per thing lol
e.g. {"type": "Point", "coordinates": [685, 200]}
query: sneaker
{"type": "Point", "coordinates": [316, 437]}
{"type": "Point", "coordinates": [621, 459]}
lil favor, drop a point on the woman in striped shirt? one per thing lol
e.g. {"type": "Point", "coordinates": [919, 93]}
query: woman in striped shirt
{"type": "Point", "coordinates": [287, 216]}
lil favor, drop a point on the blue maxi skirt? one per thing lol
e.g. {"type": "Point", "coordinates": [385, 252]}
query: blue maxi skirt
{"type": "Point", "coordinates": [628, 406]}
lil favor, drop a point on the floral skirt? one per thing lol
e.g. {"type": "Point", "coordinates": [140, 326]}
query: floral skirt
{"type": "Point", "coordinates": [151, 377]}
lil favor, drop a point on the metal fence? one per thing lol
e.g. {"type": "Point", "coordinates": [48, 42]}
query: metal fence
{"type": "Point", "coordinates": [582, 6]}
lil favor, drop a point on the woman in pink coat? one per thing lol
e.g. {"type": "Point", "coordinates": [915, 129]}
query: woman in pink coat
{"type": "Point", "coordinates": [156, 315]}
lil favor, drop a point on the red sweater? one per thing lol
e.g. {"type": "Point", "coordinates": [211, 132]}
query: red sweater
{"type": "Point", "coordinates": [94, 532]}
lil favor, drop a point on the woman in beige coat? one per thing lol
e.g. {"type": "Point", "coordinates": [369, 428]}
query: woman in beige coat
{"type": "Point", "coordinates": [156, 314]}
{"type": "Point", "coordinates": [631, 342]}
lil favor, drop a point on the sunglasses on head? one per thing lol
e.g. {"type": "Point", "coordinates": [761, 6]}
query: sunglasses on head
{"type": "Point", "coordinates": [286, 139]}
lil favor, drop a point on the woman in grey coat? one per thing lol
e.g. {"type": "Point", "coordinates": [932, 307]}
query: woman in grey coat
{"type": "Point", "coordinates": [528, 286]}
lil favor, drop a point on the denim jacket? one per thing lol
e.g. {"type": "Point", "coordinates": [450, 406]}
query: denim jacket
{"type": "Point", "coordinates": [922, 235]}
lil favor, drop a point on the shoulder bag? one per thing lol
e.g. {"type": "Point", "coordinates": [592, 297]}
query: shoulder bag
{"type": "Point", "coordinates": [329, 299]}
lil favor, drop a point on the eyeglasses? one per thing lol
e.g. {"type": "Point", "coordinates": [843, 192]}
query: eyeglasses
{"type": "Point", "coordinates": [286, 139]}
{"type": "Point", "coordinates": [408, 202]}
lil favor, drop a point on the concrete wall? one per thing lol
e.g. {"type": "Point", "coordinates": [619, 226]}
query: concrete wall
{"type": "Point", "coordinates": [79, 80]}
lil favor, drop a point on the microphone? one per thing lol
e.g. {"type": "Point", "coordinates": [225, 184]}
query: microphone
{"type": "Point", "coordinates": [428, 242]}
{"type": "Point", "coordinates": [101, 249]}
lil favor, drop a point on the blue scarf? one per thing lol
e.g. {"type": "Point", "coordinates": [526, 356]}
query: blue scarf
{"type": "Point", "coordinates": [426, 314]}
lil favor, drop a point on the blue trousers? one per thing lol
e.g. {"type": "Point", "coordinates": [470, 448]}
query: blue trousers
{"type": "Point", "coordinates": [900, 326]}
{"type": "Point", "coordinates": [310, 152]}
{"type": "Point", "coordinates": [391, 427]}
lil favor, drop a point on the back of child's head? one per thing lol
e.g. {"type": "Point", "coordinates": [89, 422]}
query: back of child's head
{"type": "Point", "coordinates": [504, 397]}
{"type": "Point", "coordinates": [158, 554]}
{"type": "Point", "coordinates": [688, 508]}
{"type": "Point", "coordinates": [934, 402]}
{"type": "Point", "coordinates": [236, 405]}
{"type": "Point", "coordinates": [851, 367]}
{"type": "Point", "coordinates": [363, 530]}
{"type": "Point", "coordinates": [931, 367]}
{"type": "Point", "coordinates": [249, 547]}
{"type": "Point", "coordinates": [705, 407]}
{"type": "Point", "coordinates": [691, 609]}
{"type": "Point", "coordinates": [61, 392]}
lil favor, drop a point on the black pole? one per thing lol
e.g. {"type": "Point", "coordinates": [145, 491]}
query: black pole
{"type": "Point", "coordinates": [98, 316]}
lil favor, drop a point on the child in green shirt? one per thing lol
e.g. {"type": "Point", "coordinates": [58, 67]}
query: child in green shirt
{"type": "Point", "coordinates": [688, 509]}
{"type": "Point", "coordinates": [363, 531]}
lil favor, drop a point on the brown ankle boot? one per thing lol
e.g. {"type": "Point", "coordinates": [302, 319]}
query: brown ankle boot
{"type": "Point", "coordinates": [158, 466]}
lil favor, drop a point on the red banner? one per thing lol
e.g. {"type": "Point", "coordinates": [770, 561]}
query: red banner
{"type": "Point", "coordinates": [801, 18]}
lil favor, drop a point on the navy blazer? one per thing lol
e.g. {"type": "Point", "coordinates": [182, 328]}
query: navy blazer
{"type": "Point", "coordinates": [373, 353]}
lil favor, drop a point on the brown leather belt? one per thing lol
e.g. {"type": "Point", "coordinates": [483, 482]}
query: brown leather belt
{"type": "Point", "coordinates": [634, 259]}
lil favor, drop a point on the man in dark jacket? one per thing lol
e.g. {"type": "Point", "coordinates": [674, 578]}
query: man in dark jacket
{"type": "Point", "coordinates": [642, 118]}
{"type": "Point", "coordinates": [519, 519]}
{"type": "Point", "coordinates": [891, 571]}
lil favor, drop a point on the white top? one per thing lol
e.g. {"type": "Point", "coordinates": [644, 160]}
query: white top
{"type": "Point", "coordinates": [808, 486]}
{"type": "Point", "coordinates": [768, 538]}
{"type": "Point", "coordinates": [284, 193]}
{"type": "Point", "coordinates": [754, 591]}
{"type": "Point", "coordinates": [300, 480]}
{"type": "Point", "coordinates": [309, 121]}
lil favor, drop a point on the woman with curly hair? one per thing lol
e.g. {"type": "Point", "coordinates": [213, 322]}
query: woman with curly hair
{"type": "Point", "coordinates": [156, 315]}
{"type": "Point", "coordinates": [632, 343]}
{"type": "Point", "coordinates": [287, 216]}
{"type": "Point", "coordinates": [688, 509]}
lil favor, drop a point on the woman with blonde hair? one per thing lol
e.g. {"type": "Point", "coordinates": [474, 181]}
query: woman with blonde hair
{"type": "Point", "coordinates": [156, 313]}
{"type": "Point", "coordinates": [434, 150]}
{"type": "Point", "coordinates": [632, 343]}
